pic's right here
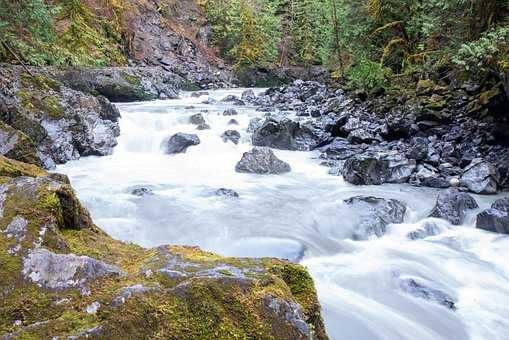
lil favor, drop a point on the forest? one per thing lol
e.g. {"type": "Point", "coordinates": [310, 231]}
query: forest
{"type": "Point", "coordinates": [368, 44]}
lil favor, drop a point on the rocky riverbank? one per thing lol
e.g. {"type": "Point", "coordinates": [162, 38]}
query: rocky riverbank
{"type": "Point", "coordinates": [436, 137]}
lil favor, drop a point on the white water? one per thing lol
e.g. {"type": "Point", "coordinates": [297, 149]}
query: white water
{"type": "Point", "coordinates": [299, 216]}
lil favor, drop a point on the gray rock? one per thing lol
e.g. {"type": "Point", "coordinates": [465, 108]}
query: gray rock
{"type": "Point", "coordinates": [290, 312]}
{"type": "Point", "coordinates": [452, 205]}
{"type": "Point", "coordinates": [233, 99]}
{"type": "Point", "coordinates": [63, 271]}
{"type": "Point", "coordinates": [254, 124]}
{"type": "Point", "coordinates": [199, 94]}
{"type": "Point", "coordinates": [229, 193]}
{"type": "Point", "coordinates": [287, 134]}
{"type": "Point", "coordinates": [376, 214]}
{"type": "Point", "coordinates": [233, 122]}
{"type": "Point", "coordinates": [419, 290]}
{"type": "Point", "coordinates": [261, 160]}
{"type": "Point", "coordinates": [495, 219]}
{"type": "Point", "coordinates": [230, 112]}
{"type": "Point", "coordinates": [179, 142]}
{"type": "Point", "coordinates": [129, 292]}
{"type": "Point", "coordinates": [418, 149]}
{"type": "Point", "coordinates": [197, 119]}
{"type": "Point", "coordinates": [248, 96]}
{"type": "Point", "coordinates": [365, 171]}
{"type": "Point", "coordinates": [480, 177]}
{"type": "Point", "coordinates": [142, 191]}
{"type": "Point", "coordinates": [231, 135]}
{"type": "Point", "coordinates": [360, 136]}
{"type": "Point", "coordinates": [16, 229]}
{"type": "Point", "coordinates": [429, 229]}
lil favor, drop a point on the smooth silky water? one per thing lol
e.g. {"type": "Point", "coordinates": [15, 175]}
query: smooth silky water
{"type": "Point", "coordinates": [298, 216]}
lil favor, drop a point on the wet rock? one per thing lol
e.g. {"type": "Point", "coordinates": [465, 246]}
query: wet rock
{"type": "Point", "coordinates": [233, 122]}
{"type": "Point", "coordinates": [261, 160]}
{"type": "Point", "coordinates": [495, 219]}
{"type": "Point", "coordinates": [199, 94]}
{"type": "Point", "coordinates": [452, 205]}
{"type": "Point", "coordinates": [480, 177]}
{"type": "Point", "coordinates": [203, 126]}
{"type": "Point", "coordinates": [418, 149]}
{"type": "Point", "coordinates": [376, 214]}
{"type": "Point", "coordinates": [231, 135]}
{"type": "Point", "coordinates": [248, 96]}
{"type": "Point", "coordinates": [254, 124]}
{"type": "Point", "coordinates": [374, 168]}
{"type": "Point", "coordinates": [428, 229]}
{"type": "Point", "coordinates": [197, 119]}
{"type": "Point", "coordinates": [428, 176]}
{"type": "Point", "coordinates": [229, 193]}
{"type": "Point", "coordinates": [179, 142]}
{"type": "Point", "coordinates": [230, 112]}
{"type": "Point", "coordinates": [233, 99]}
{"type": "Point", "coordinates": [287, 134]}
{"type": "Point", "coordinates": [360, 136]}
{"type": "Point", "coordinates": [143, 191]}
{"type": "Point", "coordinates": [63, 271]}
{"type": "Point", "coordinates": [412, 287]}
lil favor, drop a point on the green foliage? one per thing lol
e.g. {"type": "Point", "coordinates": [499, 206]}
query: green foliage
{"type": "Point", "coordinates": [366, 74]}
{"type": "Point", "coordinates": [245, 31]}
{"type": "Point", "coordinates": [490, 51]}
{"type": "Point", "coordinates": [28, 28]}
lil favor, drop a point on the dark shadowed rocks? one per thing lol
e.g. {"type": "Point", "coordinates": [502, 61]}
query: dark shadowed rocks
{"type": "Point", "coordinates": [261, 160]}
{"type": "Point", "coordinates": [452, 205]}
{"type": "Point", "coordinates": [179, 142]}
{"type": "Point", "coordinates": [287, 134]}
{"type": "Point", "coordinates": [230, 112]}
{"type": "Point", "coordinates": [228, 193]}
{"type": "Point", "coordinates": [495, 219]}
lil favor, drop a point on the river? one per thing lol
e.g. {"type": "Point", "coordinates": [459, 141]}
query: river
{"type": "Point", "coordinates": [365, 287]}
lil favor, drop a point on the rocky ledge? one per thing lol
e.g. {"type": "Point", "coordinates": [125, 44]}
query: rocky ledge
{"type": "Point", "coordinates": [64, 278]}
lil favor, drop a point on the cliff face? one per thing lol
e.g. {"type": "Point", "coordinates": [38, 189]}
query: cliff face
{"type": "Point", "coordinates": [62, 276]}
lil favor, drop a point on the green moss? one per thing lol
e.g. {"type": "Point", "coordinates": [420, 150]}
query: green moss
{"type": "Point", "coordinates": [11, 168]}
{"type": "Point", "coordinates": [40, 82]}
{"type": "Point", "coordinates": [133, 80]}
{"type": "Point", "coordinates": [40, 104]}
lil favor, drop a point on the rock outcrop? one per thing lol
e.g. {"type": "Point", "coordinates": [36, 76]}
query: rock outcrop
{"type": "Point", "coordinates": [62, 124]}
{"type": "Point", "coordinates": [62, 277]}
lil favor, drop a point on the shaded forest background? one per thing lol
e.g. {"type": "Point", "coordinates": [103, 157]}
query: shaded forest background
{"type": "Point", "coordinates": [367, 44]}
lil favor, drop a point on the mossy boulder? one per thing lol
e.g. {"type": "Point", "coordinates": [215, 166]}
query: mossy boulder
{"type": "Point", "coordinates": [17, 145]}
{"type": "Point", "coordinates": [62, 276]}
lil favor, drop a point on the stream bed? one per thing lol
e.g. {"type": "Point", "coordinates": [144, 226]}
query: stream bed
{"type": "Point", "coordinates": [451, 285]}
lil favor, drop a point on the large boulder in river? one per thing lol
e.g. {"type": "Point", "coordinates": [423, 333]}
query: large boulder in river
{"type": "Point", "coordinates": [495, 219]}
{"type": "Point", "coordinates": [248, 96]}
{"type": "Point", "coordinates": [287, 134]}
{"type": "Point", "coordinates": [80, 283]}
{"type": "Point", "coordinates": [376, 213]}
{"type": "Point", "coordinates": [452, 205]}
{"type": "Point", "coordinates": [480, 177]}
{"type": "Point", "coordinates": [179, 142]}
{"type": "Point", "coordinates": [378, 168]}
{"type": "Point", "coordinates": [261, 160]}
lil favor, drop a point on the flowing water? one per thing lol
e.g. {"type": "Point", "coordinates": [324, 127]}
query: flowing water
{"type": "Point", "coordinates": [362, 285]}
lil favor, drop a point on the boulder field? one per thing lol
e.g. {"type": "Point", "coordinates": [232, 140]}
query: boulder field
{"type": "Point", "coordinates": [64, 278]}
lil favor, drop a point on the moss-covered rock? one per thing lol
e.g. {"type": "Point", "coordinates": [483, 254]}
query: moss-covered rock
{"type": "Point", "coordinates": [62, 276]}
{"type": "Point", "coordinates": [17, 145]}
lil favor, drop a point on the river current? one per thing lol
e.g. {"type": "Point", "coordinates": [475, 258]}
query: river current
{"type": "Point", "coordinates": [371, 289]}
